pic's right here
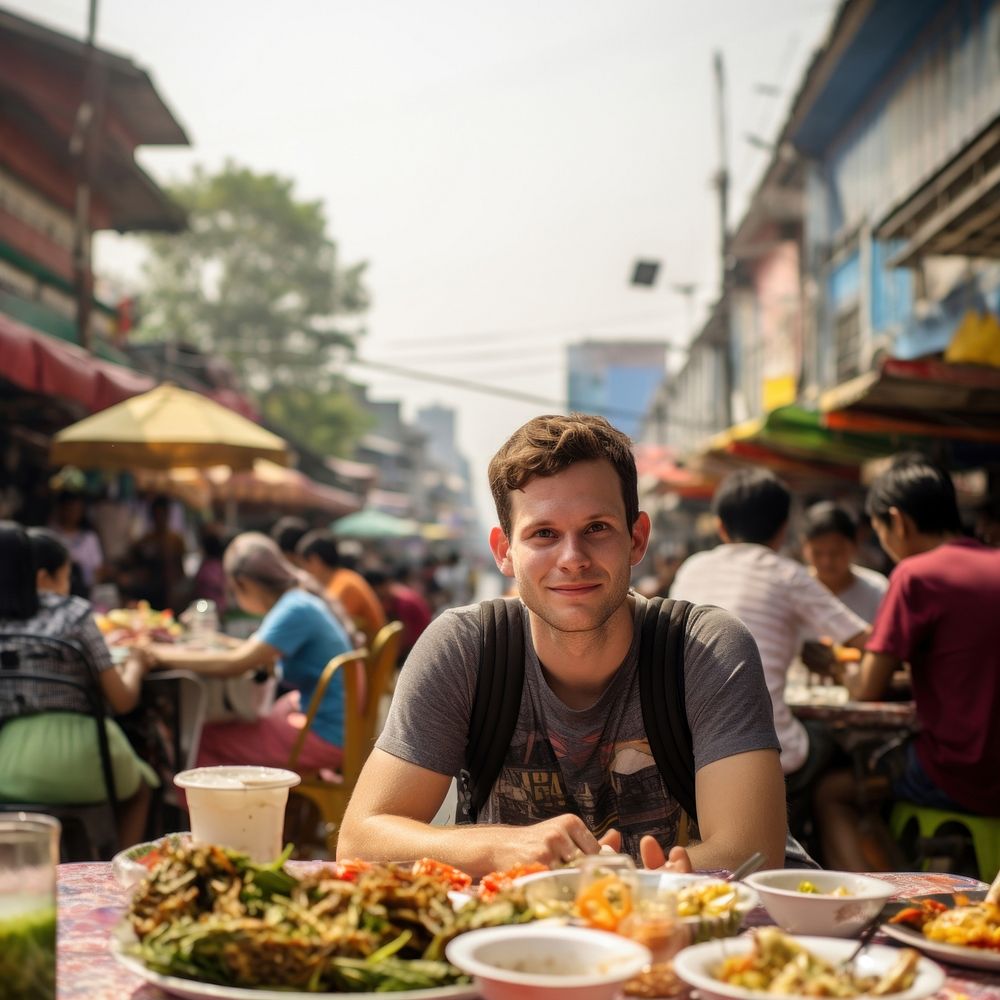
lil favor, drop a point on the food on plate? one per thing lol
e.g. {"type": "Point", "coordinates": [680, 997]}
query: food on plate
{"type": "Point", "coordinates": [125, 626]}
{"type": "Point", "coordinates": [496, 882]}
{"type": "Point", "coordinates": [209, 914]}
{"type": "Point", "coordinates": [151, 854]}
{"type": "Point", "coordinates": [604, 903]}
{"type": "Point", "coordinates": [846, 654]}
{"type": "Point", "coordinates": [806, 886]}
{"type": "Point", "coordinates": [454, 878]}
{"type": "Point", "coordinates": [972, 925]}
{"type": "Point", "coordinates": [706, 899]}
{"type": "Point", "coordinates": [778, 964]}
{"type": "Point", "coordinates": [656, 980]}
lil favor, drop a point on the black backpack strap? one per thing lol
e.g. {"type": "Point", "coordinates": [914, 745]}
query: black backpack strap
{"type": "Point", "coordinates": [663, 632]}
{"type": "Point", "coordinates": [497, 700]}
{"type": "Point", "coordinates": [661, 686]}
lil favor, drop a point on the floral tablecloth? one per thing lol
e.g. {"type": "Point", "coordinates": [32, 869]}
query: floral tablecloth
{"type": "Point", "coordinates": [91, 903]}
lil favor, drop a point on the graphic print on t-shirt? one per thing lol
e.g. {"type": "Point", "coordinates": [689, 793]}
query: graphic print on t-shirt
{"type": "Point", "coordinates": [629, 795]}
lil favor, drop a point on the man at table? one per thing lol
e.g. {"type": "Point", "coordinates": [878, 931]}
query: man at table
{"type": "Point", "coordinates": [777, 599]}
{"type": "Point", "coordinates": [579, 769]}
{"type": "Point", "coordinates": [939, 615]}
{"type": "Point", "coordinates": [318, 555]}
{"type": "Point", "coordinates": [829, 547]}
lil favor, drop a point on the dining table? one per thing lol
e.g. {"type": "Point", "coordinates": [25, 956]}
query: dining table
{"type": "Point", "coordinates": [92, 904]}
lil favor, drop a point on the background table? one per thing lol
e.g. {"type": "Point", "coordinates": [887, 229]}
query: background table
{"type": "Point", "coordinates": [91, 903]}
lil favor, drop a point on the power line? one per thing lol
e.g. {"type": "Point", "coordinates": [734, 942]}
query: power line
{"type": "Point", "coordinates": [515, 394]}
{"type": "Point", "coordinates": [580, 328]}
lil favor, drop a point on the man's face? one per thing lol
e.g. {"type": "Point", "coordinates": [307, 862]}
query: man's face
{"type": "Point", "coordinates": [570, 549]}
{"type": "Point", "coordinates": [830, 555]}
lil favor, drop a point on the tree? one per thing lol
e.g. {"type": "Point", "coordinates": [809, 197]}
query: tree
{"type": "Point", "coordinates": [257, 280]}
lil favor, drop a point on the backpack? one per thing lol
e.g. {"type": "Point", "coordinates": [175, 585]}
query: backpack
{"type": "Point", "coordinates": [497, 702]}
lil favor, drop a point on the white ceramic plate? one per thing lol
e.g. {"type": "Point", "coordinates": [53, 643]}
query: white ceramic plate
{"type": "Point", "coordinates": [194, 990]}
{"type": "Point", "coordinates": [695, 965]}
{"type": "Point", "coordinates": [954, 954]}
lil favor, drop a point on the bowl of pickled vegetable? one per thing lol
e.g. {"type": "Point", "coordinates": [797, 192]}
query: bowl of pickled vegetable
{"type": "Point", "coordinates": [133, 864]}
{"type": "Point", "coordinates": [828, 903]}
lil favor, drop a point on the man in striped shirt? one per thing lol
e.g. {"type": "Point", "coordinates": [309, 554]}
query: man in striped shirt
{"type": "Point", "coordinates": [776, 598]}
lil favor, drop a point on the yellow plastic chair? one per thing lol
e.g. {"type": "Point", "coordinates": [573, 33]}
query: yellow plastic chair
{"type": "Point", "coordinates": [331, 795]}
{"type": "Point", "coordinates": [984, 831]}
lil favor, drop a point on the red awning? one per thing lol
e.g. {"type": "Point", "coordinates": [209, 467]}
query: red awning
{"type": "Point", "coordinates": [52, 367]}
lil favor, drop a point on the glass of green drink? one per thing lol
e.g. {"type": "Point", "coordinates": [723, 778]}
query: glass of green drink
{"type": "Point", "coordinates": [29, 853]}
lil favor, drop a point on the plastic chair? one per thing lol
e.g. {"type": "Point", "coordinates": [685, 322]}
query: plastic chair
{"type": "Point", "coordinates": [47, 674]}
{"type": "Point", "coordinates": [328, 792]}
{"type": "Point", "coordinates": [984, 831]}
{"type": "Point", "coordinates": [331, 796]}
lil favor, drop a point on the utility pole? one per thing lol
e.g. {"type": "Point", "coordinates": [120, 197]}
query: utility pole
{"type": "Point", "coordinates": [725, 270]}
{"type": "Point", "coordinates": [84, 146]}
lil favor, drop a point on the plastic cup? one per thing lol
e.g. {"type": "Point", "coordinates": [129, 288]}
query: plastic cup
{"type": "Point", "coordinates": [29, 854]}
{"type": "Point", "coordinates": [241, 807]}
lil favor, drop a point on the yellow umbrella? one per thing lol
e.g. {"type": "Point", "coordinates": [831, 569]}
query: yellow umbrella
{"type": "Point", "coordinates": [162, 429]}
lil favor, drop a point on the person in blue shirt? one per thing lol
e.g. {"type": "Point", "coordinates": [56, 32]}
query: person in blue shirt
{"type": "Point", "coordinates": [299, 632]}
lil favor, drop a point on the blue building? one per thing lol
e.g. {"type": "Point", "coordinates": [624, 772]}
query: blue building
{"type": "Point", "coordinates": [615, 378]}
{"type": "Point", "coordinates": [898, 123]}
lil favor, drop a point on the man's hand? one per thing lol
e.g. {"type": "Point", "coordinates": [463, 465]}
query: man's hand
{"type": "Point", "coordinates": [553, 842]}
{"type": "Point", "coordinates": [653, 857]}
{"type": "Point", "coordinates": [818, 656]}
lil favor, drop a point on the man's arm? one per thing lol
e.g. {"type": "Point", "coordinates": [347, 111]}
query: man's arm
{"type": "Point", "coordinates": [741, 809]}
{"type": "Point", "coordinates": [868, 680]}
{"type": "Point", "coordinates": [389, 816]}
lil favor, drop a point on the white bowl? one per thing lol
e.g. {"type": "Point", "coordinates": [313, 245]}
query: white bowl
{"type": "Point", "coordinates": [560, 886]}
{"type": "Point", "coordinates": [127, 865]}
{"type": "Point", "coordinates": [820, 912]}
{"type": "Point", "coordinates": [546, 962]}
{"type": "Point", "coordinates": [697, 966]}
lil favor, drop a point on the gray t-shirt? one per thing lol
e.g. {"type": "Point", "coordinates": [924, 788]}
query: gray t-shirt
{"type": "Point", "coordinates": [865, 593]}
{"type": "Point", "coordinates": [595, 762]}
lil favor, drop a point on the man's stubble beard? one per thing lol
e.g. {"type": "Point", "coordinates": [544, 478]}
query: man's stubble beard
{"type": "Point", "coordinates": [603, 614]}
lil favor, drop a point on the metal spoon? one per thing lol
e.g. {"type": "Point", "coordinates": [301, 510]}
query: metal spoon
{"type": "Point", "coordinates": [747, 868]}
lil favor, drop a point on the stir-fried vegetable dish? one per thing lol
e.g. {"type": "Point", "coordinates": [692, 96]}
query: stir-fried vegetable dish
{"type": "Point", "coordinates": [972, 925]}
{"type": "Point", "coordinates": [779, 964]}
{"type": "Point", "coordinates": [210, 914]}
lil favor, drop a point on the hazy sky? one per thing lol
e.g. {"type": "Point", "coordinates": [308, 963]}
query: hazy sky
{"type": "Point", "coordinates": [500, 163]}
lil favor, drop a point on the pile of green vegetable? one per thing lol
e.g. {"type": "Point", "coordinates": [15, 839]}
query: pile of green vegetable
{"type": "Point", "coordinates": [210, 914]}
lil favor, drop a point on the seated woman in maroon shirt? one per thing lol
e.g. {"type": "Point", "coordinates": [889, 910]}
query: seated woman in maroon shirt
{"type": "Point", "coordinates": [940, 616]}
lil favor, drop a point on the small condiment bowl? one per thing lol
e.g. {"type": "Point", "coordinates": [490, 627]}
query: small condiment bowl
{"type": "Point", "coordinates": [547, 962]}
{"type": "Point", "coordinates": [843, 904]}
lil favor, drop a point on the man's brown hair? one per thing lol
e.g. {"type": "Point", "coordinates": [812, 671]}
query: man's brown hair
{"type": "Point", "coordinates": [550, 444]}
